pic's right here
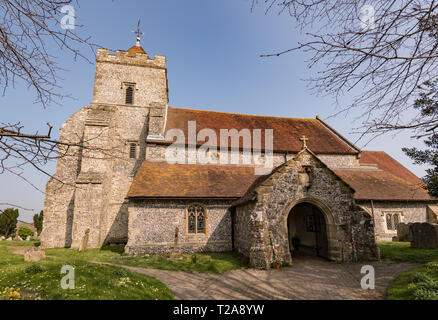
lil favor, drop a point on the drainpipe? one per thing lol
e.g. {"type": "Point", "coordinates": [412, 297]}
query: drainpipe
{"type": "Point", "coordinates": [374, 220]}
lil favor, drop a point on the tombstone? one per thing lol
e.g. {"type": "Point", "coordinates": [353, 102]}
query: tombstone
{"type": "Point", "coordinates": [28, 238]}
{"type": "Point", "coordinates": [84, 242]}
{"type": "Point", "coordinates": [403, 232]}
{"type": "Point", "coordinates": [2, 238]}
{"type": "Point", "coordinates": [9, 239]}
{"type": "Point", "coordinates": [424, 235]}
{"type": "Point", "coordinates": [16, 236]}
{"type": "Point", "coordinates": [34, 254]}
{"type": "Point", "coordinates": [175, 254]}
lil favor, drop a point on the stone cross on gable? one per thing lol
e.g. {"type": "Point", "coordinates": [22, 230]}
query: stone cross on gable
{"type": "Point", "coordinates": [304, 140]}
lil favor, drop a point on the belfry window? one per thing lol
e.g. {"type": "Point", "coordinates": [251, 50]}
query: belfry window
{"type": "Point", "coordinates": [196, 219]}
{"type": "Point", "coordinates": [129, 95]}
{"type": "Point", "coordinates": [133, 150]}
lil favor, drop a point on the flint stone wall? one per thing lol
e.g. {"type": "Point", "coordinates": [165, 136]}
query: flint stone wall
{"type": "Point", "coordinates": [412, 211]}
{"type": "Point", "coordinates": [96, 179]}
{"type": "Point", "coordinates": [152, 226]}
{"type": "Point", "coordinates": [282, 191]}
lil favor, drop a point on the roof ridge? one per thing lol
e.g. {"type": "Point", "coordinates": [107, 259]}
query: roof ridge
{"type": "Point", "coordinates": [244, 114]}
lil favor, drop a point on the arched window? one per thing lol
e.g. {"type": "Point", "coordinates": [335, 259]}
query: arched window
{"type": "Point", "coordinates": [388, 221]}
{"type": "Point", "coordinates": [395, 218]}
{"type": "Point", "coordinates": [392, 220]}
{"type": "Point", "coordinates": [196, 219]}
{"type": "Point", "coordinates": [129, 97]}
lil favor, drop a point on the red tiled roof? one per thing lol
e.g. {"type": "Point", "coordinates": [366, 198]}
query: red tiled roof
{"type": "Point", "coordinates": [135, 49]}
{"type": "Point", "coordinates": [381, 185]}
{"type": "Point", "coordinates": [286, 131]}
{"type": "Point", "coordinates": [386, 163]}
{"type": "Point", "coordinates": [163, 180]}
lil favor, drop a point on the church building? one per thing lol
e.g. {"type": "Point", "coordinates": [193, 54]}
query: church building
{"type": "Point", "coordinates": [116, 182]}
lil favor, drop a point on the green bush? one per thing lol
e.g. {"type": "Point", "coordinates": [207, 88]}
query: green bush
{"type": "Point", "coordinates": [33, 269]}
{"type": "Point", "coordinates": [121, 273]}
{"type": "Point", "coordinates": [24, 232]}
{"type": "Point", "coordinates": [423, 287]}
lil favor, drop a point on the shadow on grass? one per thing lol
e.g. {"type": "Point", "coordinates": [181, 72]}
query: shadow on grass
{"type": "Point", "coordinates": [119, 248]}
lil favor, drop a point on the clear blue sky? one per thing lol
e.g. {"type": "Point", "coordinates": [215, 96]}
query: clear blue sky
{"type": "Point", "coordinates": [212, 50]}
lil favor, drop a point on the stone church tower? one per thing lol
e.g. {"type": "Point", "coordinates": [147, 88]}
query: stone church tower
{"type": "Point", "coordinates": [91, 182]}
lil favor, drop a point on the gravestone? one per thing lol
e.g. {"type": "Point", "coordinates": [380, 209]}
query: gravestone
{"type": "Point", "coordinates": [175, 254]}
{"type": "Point", "coordinates": [9, 239]}
{"type": "Point", "coordinates": [34, 254]}
{"type": "Point", "coordinates": [84, 243]}
{"type": "Point", "coordinates": [28, 238]}
{"type": "Point", "coordinates": [403, 232]}
{"type": "Point", "coordinates": [2, 238]}
{"type": "Point", "coordinates": [424, 235]}
{"type": "Point", "coordinates": [16, 236]}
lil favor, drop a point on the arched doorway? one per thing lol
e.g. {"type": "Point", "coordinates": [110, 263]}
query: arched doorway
{"type": "Point", "coordinates": [307, 231]}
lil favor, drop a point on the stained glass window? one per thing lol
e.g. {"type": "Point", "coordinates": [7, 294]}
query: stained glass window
{"type": "Point", "coordinates": [392, 220]}
{"type": "Point", "coordinates": [201, 224]}
{"type": "Point", "coordinates": [395, 218]}
{"type": "Point", "coordinates": [191, 223]}
{"type": "Point", "coordinates": [196, 219]}
{"type": "Point", "coordinates": [388, 221]}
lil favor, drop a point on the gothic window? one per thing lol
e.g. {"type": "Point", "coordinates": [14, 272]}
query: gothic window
{"type": "Point", "coordinates": [196, 219]}
{"type": "Point", "coordinates": [133, 150]}
{"type": "Point", "coordinates": [392, 220]}
{"type": "Point", "coordinates": [395, 218]}
{"type": "Point", "coordinates": [129, 95]}
{"type": "Point", "coordinates": [191, 228]}
{"type": "Point", "coordinates": [388, 221]}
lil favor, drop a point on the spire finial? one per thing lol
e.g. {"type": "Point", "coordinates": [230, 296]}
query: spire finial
{"type": "Point", "coordinates": [139, 33]}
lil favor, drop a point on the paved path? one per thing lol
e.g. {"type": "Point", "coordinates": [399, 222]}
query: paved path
{"type": "Point", "coordinates": [308, 278]}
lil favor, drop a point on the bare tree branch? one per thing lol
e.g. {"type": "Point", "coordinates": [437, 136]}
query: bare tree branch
{"type": "Point", "coordinates": [382, 66]}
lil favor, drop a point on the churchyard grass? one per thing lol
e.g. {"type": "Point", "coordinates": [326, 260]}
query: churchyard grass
{"type": "Point", "coordinates": [42, 279]}
{"type": "Point", "coordinates": [200, 262]}
{"type": "Point", "coordinates": [419, 283]}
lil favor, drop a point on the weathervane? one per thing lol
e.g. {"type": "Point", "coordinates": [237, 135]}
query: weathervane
{"type": "Point", "coordinates": [138, 32]}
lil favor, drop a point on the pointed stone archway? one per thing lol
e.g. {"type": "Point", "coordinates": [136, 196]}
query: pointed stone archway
{"type": "Point", "coordinates": [307, 232]}
{"type": "Point", "coordinates": [324, 239]}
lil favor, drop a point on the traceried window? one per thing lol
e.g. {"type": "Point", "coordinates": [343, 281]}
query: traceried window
{"type": "Point", "coordinates": [133, 150]}
{"type": "Point", "coordinates": [392, 220]}
{"type": "Point", "coordinates": [129, 95]}
{"type": "Point", "coordinates": [196, 219]}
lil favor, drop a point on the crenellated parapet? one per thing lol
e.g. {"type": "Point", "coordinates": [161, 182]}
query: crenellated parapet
{"type": "Point", "coordinates": [131, 57]}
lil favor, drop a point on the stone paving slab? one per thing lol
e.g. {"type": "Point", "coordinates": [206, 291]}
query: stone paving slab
{"type": "Point", "coordinates": [309, 279]}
